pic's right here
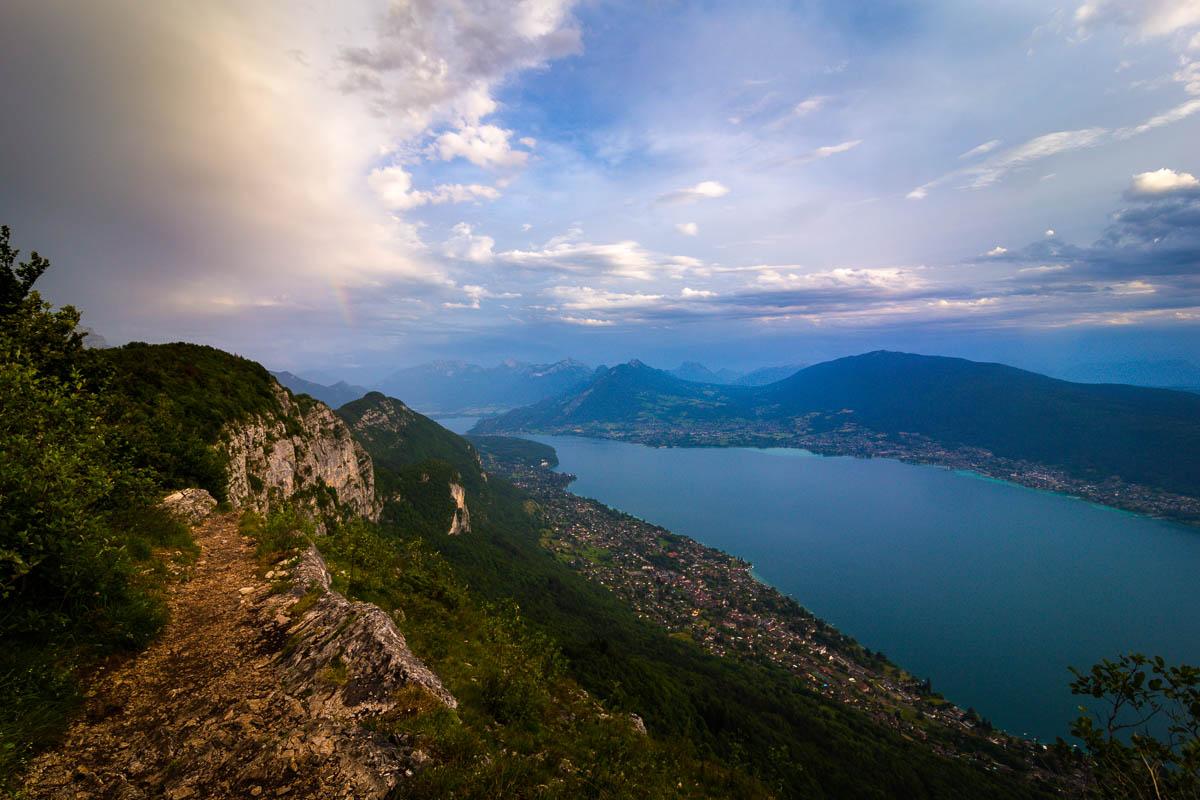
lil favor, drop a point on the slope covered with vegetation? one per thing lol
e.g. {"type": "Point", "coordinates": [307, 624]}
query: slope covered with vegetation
{"type": "Point", "coordinates": [78, 524]}
{"type": "Point", "coordinates": [752, 716]}
{"type": "Point", "coordinates": [1093, 431]}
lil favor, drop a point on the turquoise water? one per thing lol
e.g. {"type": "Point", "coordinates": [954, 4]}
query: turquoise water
{"type": "Point", "coordinates": [989, 589]}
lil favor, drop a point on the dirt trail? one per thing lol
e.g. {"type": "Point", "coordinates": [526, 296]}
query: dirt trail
{"type": "Point", "coordinates": [202, 712]}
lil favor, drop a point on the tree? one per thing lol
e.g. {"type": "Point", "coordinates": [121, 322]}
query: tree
{"type": "Point", "coordinates": [1144, 736]}
{"type": "Point", "coordinates": [16, 279]}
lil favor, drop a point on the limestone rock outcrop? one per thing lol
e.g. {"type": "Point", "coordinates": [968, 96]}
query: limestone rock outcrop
{"type": "Point", "coordinates": [461, 521]}
{"type": "Point", "coordinates": [305, 453]}
{"type": "Point", "coordinates": [189, 506]}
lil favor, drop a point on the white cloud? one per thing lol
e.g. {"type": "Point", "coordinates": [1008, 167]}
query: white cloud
{"type": "Point", "coordinates": [997, 167]}
{"type": "Point", "coordinates": [1163, 181]}
{"type": "Point", "coordinates": [1044, 146]}
{"type": "Point", "coordinates": [982, 149]}
{"type": "Point", "coordinates": [834, 149]}
{"type": "Point", "coordinates": [526, 226]}
{"type": "Point", "coordinates": [815, 155]}
{"type": "Point", "coordinates": [482, 145]}
{"type": "Point", "coordinates": [1049, 232]}
{"type": "Point", "coordinates": [688, 228]}
{"type": "Point", "coordinates": [393, 185]}
{"type": "Point", "coordinates": [590, 322]}
{"type": "Point", "coordinates": [997, 251]}
{"type": "Point", "coordinates": [1151, 18]}
{"type": "Point", "coordinates": [1046, 268]}
{"type": "Point", "coordinates": [586, 298]}
{"type": "Point", "coordinates": [696, 294]}
{"type": "Point", "coordinates": [626, 259]}
{"type": "Point", "coordinates": [809, 105]}
{"type": "Point", "coordinates": [891, 279]}
{"type": "Point", "coordinates": [468, 246]}
{"type": "Point", "coordinates": [705, 190]}
{"type": "Point", "coordinates": [1179, 112]}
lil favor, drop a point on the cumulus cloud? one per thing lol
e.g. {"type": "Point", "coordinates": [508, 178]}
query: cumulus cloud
{"type": "Point", "coordinates": [466, 245]}
{"type": "Point", "coordinates": [1163, 181]}
{"type": "Point", "coordinates": [482, 145]}
{"type": "Point", "coordinates": [432, 60]}
{"type": "Point", "coordinates": [569, 253]}
{"type": "Point", "coordinates": [997, 251]}
{"type": "Point", "coordinates": [696, 294]}
{"type": "Point", "coordinates": [687, 228]}
{"type": "Point", "coordinates": [474, 294]}
{"type": "Point", "coordinates": [393, 185]}
{"type": "Point", "coordinates": [705, 190]}
{"type": "Point", "coordinates": [238, 148]}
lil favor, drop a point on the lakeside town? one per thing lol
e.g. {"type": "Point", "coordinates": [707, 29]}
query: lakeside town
{"type": "Point", "coordinates": [702, 594]}
{"type": "Point", "coordinates": [826, 435]}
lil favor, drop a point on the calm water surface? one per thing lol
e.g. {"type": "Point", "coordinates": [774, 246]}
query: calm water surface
{"type": "Point", "coordinates": [990, 590]}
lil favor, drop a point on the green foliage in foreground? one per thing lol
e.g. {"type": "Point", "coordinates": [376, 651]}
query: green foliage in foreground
{"type": "Point", "coordinates": [523, 727]}
{"type": "Point", "coordinates": [77, 524]}
{"type": "Point", "coordinates": [1145, 737]}
{"type": "Point", "coordinates": [172, 401]}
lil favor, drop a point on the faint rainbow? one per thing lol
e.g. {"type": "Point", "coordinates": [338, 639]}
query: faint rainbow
{"type": "Point", "coordinates": [342, 297]}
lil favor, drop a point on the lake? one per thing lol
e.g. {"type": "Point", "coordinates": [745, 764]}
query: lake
{"type": "Point", "coordinates": [989, 589]}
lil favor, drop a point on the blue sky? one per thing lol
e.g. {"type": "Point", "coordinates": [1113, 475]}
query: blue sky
{"type": "Point", "coordinates": [345, 188]}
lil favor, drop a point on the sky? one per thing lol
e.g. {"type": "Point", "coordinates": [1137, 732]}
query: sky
{"type": "Point", "coordinates": [341, 188]}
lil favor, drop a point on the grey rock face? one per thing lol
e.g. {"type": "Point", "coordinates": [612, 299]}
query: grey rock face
{"type": "Point", "coordinates": [298, 455]}
{"type": "Point", "coordinates": [461, 522]}
{"type": "Point", "coordinates": [189, 505]}
{"type": "Point", "coordinates": [357, 641]}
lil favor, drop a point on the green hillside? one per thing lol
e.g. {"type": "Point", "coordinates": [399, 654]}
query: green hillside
{"type": "Point", "coordinates": [1092, 431]}
{"type": "Point", "coordinates": [754, 716]}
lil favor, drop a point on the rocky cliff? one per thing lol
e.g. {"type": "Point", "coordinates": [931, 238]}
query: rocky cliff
{"type": "Point", "coordinates": [302, 453]}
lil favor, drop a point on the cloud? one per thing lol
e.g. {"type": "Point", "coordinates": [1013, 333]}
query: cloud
{"type": "Point", "coordinates": [1176, 114]}
{"type": "Point", "coordinates": [1163, 181]}
{"type": "Point", "coordinates": [889, 279]}
{"type": "Point", "coordinates": [982, 149]}
{"type": "Point", "coordinates": [705, 190]}
{"type": "Point", "coordinates": [585, 298]}
{"type": "Point", "coordinates": [432, 61]}
{"type": "Point", "coordinates": [590, 322]}
{"type": "Point", "coordinates": [687, 228]}
{"type": "Point", "coordinates": [475, 294]}
{"type": "Point", "coordinates": [1150, 18]}
{"type": "Point", "coordinates": [393, 185]}
{"type": "Point", "coordinates": [482, 145]}
{"type": "Point", "coordinates": [696, 294]}
{"type": "Point", "coordinates": [625, 259]}
{"type": "Point", "coordinates": [808, 106]}
{"type": "Point", "coordinates": [997, 251]}
{"type": "Point", "coordinates": [994, 169]}
{"type": "Point", "coordinates": [816, 154]}
{"type": "Point", "coordinates": [468, 246]}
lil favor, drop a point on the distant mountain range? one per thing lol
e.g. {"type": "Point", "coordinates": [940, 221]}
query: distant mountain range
{"type": "Point", "coordinates": [698, 373]}
{"type": "Point", "coordinates": [459, 388]}
{"type": "Point", "coordinates": [333, 396]}
{"type": "Point", "coordinates": [456, 387]}
{"type": "Point", "coordinates": [1142, 435]}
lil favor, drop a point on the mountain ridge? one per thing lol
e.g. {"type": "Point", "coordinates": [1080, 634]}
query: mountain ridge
{"type": "Point", "coordinates": [1092, 431]}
